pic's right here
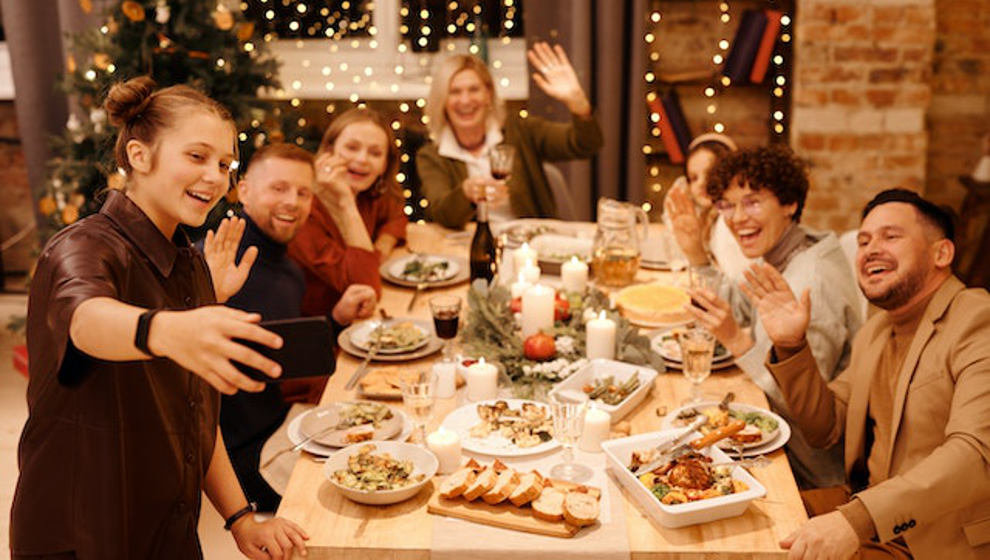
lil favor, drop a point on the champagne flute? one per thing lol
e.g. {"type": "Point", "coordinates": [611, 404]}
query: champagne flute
{"type": "Point", "coordinates": [446, 310]}
{"type": "Point", "coordinates": [568, 423]}
{"type": "Point", "coordinates": [418, 396]}
{"type": "Point", "coordinates": [697, 348]}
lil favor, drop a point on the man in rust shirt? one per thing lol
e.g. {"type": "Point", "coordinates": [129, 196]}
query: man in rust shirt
{"type": "Point", "coordinates": [913, 406]}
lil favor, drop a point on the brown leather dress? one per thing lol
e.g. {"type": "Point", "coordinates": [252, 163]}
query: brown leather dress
{"type": "Point", "coordinates": [114, 454]}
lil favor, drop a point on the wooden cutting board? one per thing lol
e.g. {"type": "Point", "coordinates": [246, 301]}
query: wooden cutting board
{"type": "Point", "coordinates": [506, 515]}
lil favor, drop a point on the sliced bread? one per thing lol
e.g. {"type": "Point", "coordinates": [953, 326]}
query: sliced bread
{"type": "Point", "coordinates": [484, 482]}
{"type": "Point", "coordinates": [507, 481]}
{"type": "Point", "coordinates": [580, 509]}
{"type": "Point", "coordinates": [529, 488]}
{"type": "Point", "coordinates": [455, 484]}
{"type": "Point", "coordinates": [549, 506]}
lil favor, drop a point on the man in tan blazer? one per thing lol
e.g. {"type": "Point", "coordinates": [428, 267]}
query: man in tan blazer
{"type": "Point", "coordinates": [913, 407]}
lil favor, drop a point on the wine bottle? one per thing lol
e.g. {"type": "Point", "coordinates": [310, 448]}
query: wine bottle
{"type": "Point", "coordinates": [483, 247]}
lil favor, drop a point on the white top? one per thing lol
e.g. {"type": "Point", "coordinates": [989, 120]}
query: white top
{"type": "Point", "coordinates": [477, 166]}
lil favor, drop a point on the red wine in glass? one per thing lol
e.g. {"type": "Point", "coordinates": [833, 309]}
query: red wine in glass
{"type": "Point", "coordinates": [500, 174]}
{"type": "Point", "coordinates": [446, 323]}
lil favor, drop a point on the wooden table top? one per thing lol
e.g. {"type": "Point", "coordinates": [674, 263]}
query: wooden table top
{"type": "Point", "coordinates": [340, 528]}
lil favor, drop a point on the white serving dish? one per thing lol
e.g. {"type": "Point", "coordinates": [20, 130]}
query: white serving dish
{"type": "Point", "coordinates": [424, 462]}
{"type": "Point", "coordinates": [618, 453]}
{"type": "Point", "coordinates": [622, 371]}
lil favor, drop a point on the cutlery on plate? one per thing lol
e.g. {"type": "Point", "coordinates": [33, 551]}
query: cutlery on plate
{"type": "Point", "coordinates": [372, 350]}
{"type": "Point", "coordinates": [696, 445]}
{"type": "Point", "coordinates": [412, 301]}
{"type": "Point", "coordinates": [298, 446]}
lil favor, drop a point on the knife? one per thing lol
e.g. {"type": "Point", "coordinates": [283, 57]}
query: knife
{"type": "Point", "coordinates": [412, 301]}
{"type": "Point", "coordinates": [708, 439]}
{"type": "Point", "coordinates": [372, 350]}
{"type": "Point", "coordinates": [664, 448]}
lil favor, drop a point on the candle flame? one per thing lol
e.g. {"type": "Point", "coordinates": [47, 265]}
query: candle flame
{"type": "Point", "coordinates": [574, 259]}
{"type": "Point", "coordinates": [481, 360]}
{"type": "Point", "coordinates": [601, 314]}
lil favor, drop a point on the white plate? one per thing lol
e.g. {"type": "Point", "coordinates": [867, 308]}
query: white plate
{"type": "Point", "coordinates": [424, 462]}
{"type": "Point", "coordinates": [466, 417]}
{"type": "Point", "coordinates": [296, 436]}
{"type": "Point", "coordinates": [553, 247]}
{"type": "Point", "coordinates": [360, 336]}
{"type": "Point", "coordinates": [398, 265]}
{"type": "Point", "coordinates": [751, 450]}
{"type": "Point", "coordinates": [673, 358]}
{"type": "Point", "coordinates": [600, 368]}
{"type": "Point", "coordinates": [618, 453]}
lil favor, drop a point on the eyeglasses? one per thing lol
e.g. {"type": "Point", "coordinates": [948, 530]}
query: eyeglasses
{"type": "Point", "coordinates": [752, 206]}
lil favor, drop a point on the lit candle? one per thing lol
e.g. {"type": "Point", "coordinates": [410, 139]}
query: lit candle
{"type": "Point", "coordinates": [523, 255]}
{"type": "Point", "coordinates": [574, 275]}
{"type": "Point", "coordinates": [519, 287]}
{"type": "Point", "coordinates": [446, 373]}
{"type": "Point", "coordinates": [446, 445]}
{"type": "Point", "coordinates": [600, 337]}
{"type": "Point", "coordinates": [597, 424]}
{"type": "Point", "coordinates": [530, 272]}
{"type": "Point", "coordinates": [537, 310]}
{"type": "Point", "coordinates": [482, 381]}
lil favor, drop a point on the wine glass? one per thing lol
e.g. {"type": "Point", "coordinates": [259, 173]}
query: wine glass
{"type": "Point", "coordinates": [705, 277]}
{"type": "Point", "coordinates": [568, 423]}
{"type": "Point", "coordinates": [446, 310]}
{"type": "Point", "coordinates": [697, 348]}
{"type": "Point", "coordinates": [501, 158]}
{"type": "Point", "coordinates": [418, 395]}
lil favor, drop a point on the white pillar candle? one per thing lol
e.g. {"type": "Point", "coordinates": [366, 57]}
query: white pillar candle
{"type": "Point", "coordinates": [574, 275]}
{"type": "Point", "coordinates": [537, 310]}
{"type": "Point", "coordinates": [446, 373]}
{"type": "Point", "coordinates": [530, 272]}
{"type": "Point", "coordinates": [600, 337]}
{"type": "Point", "coordinates": [523, 255]}
{"type": "Point", "coordinates": [597, 424]}
{"type": "Point", "coordinates": [446, 445]}
{"type": "Point", "coordinates": [482, 381]}
{"type": "Point", "coordinates": [519, 287]}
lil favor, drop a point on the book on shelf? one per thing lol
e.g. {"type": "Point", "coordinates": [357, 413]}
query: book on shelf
{"type": "Point", "coordinates": [762, 59]}
{"type": "Point", "coordinates": [745, 44]}
{"type": "Point", "coordinates": [674, 132]}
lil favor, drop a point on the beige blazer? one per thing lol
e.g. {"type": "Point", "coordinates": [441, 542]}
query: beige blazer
{"type": "Point", "coordinates": [937, 492]}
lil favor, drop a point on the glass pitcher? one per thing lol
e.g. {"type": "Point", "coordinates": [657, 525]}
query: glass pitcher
{"type": "Point", "coordinates": [616, 250]}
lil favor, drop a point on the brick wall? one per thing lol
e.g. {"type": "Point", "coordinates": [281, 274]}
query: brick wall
{"type": "Point", "coordinates": [960, 111]}
{"type": "Point", "coordinates": [862, 92]}
{"type": "Point", "coordinates": [16, 206]}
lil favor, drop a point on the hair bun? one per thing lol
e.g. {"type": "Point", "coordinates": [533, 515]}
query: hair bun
{"type": "Point", "coordinates": [128, 99]}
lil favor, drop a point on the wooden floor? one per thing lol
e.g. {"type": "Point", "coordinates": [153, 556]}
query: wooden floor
{"type": "Point", "coordinates": [217, 543]}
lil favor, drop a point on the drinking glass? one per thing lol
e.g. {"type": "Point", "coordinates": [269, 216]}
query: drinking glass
{"type": "Point", "coordinates": [568, 423]}
{"type": "Point", "coordinates": [418, 396]}
{"type": "Point", "coordinates": [446, 310]}
{"type": "Point", "coordinates": [501, 158]}
{"type": "Point", "coordinates": [697, 348]}
{"type": "Point", "coordinates": [705, 277]}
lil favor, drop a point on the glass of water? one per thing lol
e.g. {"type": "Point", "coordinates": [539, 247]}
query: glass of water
{"type": "Point", "coordinates": [418, 396]}
{"type": "Point", "coordinates": [568, 423]}
{"type": "Point", "coordinates": [697, 348]}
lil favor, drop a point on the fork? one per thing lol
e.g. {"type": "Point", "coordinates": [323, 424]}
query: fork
{"type": "Point", "coordinates": [297, 446]}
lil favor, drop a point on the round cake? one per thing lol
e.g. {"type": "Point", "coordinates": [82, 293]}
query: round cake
{"type": "Point", "coordinates": [654, 304]}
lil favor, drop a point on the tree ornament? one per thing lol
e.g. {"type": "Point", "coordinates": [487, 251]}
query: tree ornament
{"type": "Point", "coordinates": [133, 10]}
{"type": "Point", "coordinates": [73, 123]}
{"type": "Point", "coordinates": [70, 214]}
{"type": "Point", "coordinates": [47, 205]}
{"type": "Point", "coordinates": [245, 30]}
{"type": "Point", "coordinates": [223, 19]}
{"type": "Point", "coordinates": [116, 181]}
{"type": "Point", "coordinates": [98, 117]}
{"type": "Point", "coordinates": [101, 60]}
{"type": "Point", "coordinates": [70, 64]}
{"type": "Point", "coordinates": [162, 12]}
{"type": "Point", "coordinates": [86, 6]}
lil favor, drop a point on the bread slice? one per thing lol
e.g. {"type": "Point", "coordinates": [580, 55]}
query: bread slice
{"type": "Point", "coordinates": [507, 481]}
{"type": "Point", "coordinates": [529, 488]}
{"type": "Point", "coordinates": [580, 509]}
{"type": "Point", "coordinates": [484, 482]}
{"type": "Point", "coordinates": [550, 505]}
{"type": "Point", "coordinates": [455, 484]}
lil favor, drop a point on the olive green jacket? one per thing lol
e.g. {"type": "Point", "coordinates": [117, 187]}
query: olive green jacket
{"type": "Point", "coordinates": [535, 140]}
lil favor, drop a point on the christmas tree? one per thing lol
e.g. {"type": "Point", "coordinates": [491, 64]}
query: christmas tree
{"type": "Point", "coordinates": [204, 43]}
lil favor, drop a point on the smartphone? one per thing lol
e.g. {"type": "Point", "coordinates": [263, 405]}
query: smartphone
{"type": "Point", "coordinates": [307, 349]}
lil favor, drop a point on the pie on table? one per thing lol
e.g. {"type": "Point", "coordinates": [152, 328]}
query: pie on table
{"type": "Point", "coordinates": [654, 303]}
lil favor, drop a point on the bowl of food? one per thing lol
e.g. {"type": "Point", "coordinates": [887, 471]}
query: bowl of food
{"type": "Point", "coordinates": [380, 473]}
{"type": "Point", "coordinates": [694, 488]}
{"type": "Point", "coordinates": [615, 387]}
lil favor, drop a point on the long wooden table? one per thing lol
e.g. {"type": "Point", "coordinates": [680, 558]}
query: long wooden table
{"type": "Point", "coordinates": [339, 528]}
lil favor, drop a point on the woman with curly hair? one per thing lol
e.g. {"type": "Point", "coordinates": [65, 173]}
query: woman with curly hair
{"type": "Point", "coordinates": [760, 194]}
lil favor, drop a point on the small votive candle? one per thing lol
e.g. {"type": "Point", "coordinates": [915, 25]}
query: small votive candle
{"type": "Point", "coordinates": [482, 381]}
{"type": "Point", "coordinates": [530, 272]}
{"type": "Point", "coordinates": [446, 445]}
{"type": "Point", "coordinates": [574, 275]}
{"type": "Point", "coordinates": [523, 255]}
{"type": "Point", "coordinates": [446, 373]}
{"type": "Point", "coordinates": [597, 424]}
{"type": "Point", "coordinates": [600, 337]}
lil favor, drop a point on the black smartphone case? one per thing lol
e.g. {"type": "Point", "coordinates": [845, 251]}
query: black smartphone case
{"type": "Point", "coordinates": [307, 349]}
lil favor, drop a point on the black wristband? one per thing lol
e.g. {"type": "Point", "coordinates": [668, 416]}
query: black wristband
{"type": "Point", "coordinates": [250, 508]}
{"type": "Point", "coordinates": [141, 333]}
